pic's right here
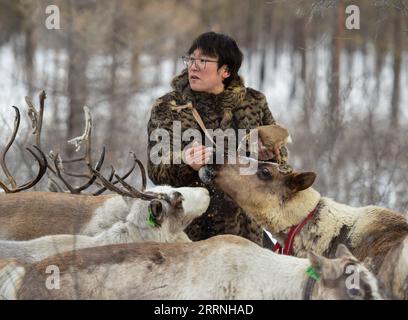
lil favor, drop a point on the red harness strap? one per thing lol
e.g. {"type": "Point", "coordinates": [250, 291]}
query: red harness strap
{"type": "Point", "coordinates": [287, 250]}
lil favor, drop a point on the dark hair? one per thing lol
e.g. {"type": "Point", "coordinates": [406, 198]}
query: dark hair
{"type": "Point", "coordinates": [222, 47]}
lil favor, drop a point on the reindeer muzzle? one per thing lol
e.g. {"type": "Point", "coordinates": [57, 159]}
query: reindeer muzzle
{"type": "Point", "coordinates": [206, 174]}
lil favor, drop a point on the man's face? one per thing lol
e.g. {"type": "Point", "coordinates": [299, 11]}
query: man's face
{"type": "Point", "coordinates": [208, 79]}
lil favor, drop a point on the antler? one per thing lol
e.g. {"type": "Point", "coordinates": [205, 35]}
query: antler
{"type": "Point", "coordinates": [58, 169]}
{"type": "Point", "coordinates": [112, 174]}
{"type": "Point", "coordinates": [42, 162]}
{"type": "Point", "coordinates": [36, 117]}
{"type": "Point", "coordinates": [131, 191]}
{"type": "Point", "coordinates": [86, 136]}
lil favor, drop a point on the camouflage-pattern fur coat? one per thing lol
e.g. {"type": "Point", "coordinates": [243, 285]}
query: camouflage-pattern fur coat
{"type": "Point", "coordinates": [237, 107]}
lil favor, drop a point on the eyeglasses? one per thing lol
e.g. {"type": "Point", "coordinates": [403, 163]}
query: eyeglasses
{"type": "Point", "coordinates": [199, 62]}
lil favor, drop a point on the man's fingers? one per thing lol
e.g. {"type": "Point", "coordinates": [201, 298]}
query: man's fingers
{"type": "Point", "coordinates": [199, 149]}
{"type": "Point", "coordinates": [261, 146]}
{"type": "Point", "coordinates": [261, 155]}
{"type": "Point", "coordinates": [208, 155]}
{"type": "Point", "coordinates": [266, 154]}
{"type": "Point", "coordinates": [198, 154]}
{"type": "Point", "coordinates": [203, 157]}
{"type": "Point", "coordinates": [193, 150]}
{"type": "Point", "coordinates": [200, 159]}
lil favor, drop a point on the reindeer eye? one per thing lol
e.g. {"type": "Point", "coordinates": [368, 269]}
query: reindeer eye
{"type": "Point", "coordinates": [264, 174]}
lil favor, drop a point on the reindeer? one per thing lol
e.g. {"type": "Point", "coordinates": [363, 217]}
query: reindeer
{"type": "Point", "coordinates": [222, 267]}
{"type": "Point", "coordinates": [31, 215]}
{"type": "Point", "coordinates": [161, 215]}
{"type": "Point", "coordinates": [48, 218]}
{"type": "Point", "coordinates": [53, 220]}
{"type": "Point", "coordinates": [302, 220]}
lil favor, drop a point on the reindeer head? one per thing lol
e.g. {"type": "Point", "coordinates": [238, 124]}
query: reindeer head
{"type": "Point", "coordinates": [341, 278]}
{"type": "Point", "coordinates": [171, 214]}
{"type": "Point", "coordinates": [164, 207]}
{"type": "Point", "coordinates": [266, 187]}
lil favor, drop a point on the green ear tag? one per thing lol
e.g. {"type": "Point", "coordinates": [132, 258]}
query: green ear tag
{"type": "Point", "coordinates": [311, 272]}
{"type": "Point", "coordinates": [150, 220]}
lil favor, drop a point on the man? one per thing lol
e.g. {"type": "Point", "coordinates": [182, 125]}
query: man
{"type": "Point", "coordinates": [212, 85]}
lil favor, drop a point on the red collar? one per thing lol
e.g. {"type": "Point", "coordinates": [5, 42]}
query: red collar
{"type": "Point", "coordinates": [287, 250]}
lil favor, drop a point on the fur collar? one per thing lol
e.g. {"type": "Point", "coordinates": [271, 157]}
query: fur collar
{"type": "Point", "coordinates": [227, 101]}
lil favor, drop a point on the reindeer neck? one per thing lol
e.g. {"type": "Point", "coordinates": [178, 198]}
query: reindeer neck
{"type": "Point", "coordinates": [288, 277]}
{"type": "Point", "coordinates": [144, 233]}
{"type": "Point", "coordinates": [295, 210]}
{"type": "Point", "coordinates": [126, 232]}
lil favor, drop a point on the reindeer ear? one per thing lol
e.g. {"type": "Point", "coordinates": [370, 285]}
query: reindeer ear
{"type": "Point", "coordinates": [300, 181]}
{"type": "Point", "coordinates": [156, 209]}
{"type": "Point", "coordinates": [316, 261]}
{"type": "Point", "coordinates": [343, 251]}
{"type": "Point", "coordinates": [328, 269]}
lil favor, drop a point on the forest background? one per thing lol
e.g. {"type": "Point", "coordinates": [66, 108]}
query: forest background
{"type": "Point", "coordinates": [341, 92]}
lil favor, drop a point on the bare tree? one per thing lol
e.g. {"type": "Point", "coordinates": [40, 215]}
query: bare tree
{"type": "Point", "coordinates": [334, 82]}
{"type": "Point", "coordinates": [398, 45]}
{"type": "Point", "coordinates": [77, 79]}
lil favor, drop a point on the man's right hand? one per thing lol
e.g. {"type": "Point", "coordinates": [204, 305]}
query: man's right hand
{"type": "Point", "coordinates": [197, 156]}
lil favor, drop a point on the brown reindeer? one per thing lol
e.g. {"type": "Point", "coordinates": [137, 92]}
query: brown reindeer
{"type": "Point", "coordinates": [302, 220]}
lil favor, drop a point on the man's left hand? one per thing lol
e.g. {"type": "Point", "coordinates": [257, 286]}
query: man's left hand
{"type": "Point", "coordinates": [266, 154]}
